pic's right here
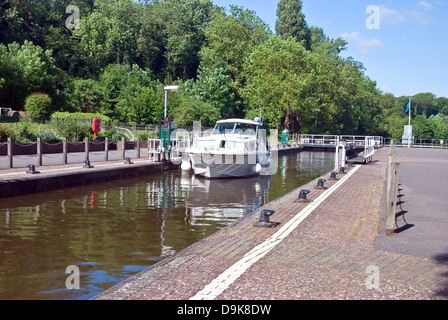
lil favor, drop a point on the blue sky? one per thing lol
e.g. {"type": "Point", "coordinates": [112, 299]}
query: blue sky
{"type": "Point", "coordinates": [406, 52]}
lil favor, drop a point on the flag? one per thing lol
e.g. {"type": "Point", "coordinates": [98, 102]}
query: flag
{"type": "Point", "coordinates": [406, 107]}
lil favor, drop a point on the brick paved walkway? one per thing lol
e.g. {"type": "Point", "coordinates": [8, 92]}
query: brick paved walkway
{"type": "Point", "coordinates": [330, 255]}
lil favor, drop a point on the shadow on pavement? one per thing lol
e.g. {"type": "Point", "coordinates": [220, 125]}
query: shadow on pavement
{"type": "Point", "coordinates": [400, 213]}
{"type": "Point", "coordinates": [443, 259]}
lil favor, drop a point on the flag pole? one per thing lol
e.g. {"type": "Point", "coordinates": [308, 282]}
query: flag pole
{"type": "Point", "coordinates": [410, 110]}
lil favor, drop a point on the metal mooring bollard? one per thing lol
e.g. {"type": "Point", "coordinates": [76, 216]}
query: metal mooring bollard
{"type": "Point", "coordinates": [87, 164]}
{"type": "Point", "coordinates": [32, 169]}
{"type": "Point", "coordinates": [264, 221]}
{"type": "Point", "coordinates": [128, 161]}
{"type": "Point", "coordinates": [302, 197]}
{"type": "Point", "coordinates": [333, 176]}
{"type": "Point", "coordinates": [342, 170]}
{"type": "Point", "coordinates": [320, 184]}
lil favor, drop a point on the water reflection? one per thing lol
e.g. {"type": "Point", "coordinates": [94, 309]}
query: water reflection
{"type": "Point", "coordinates": [114, 230]}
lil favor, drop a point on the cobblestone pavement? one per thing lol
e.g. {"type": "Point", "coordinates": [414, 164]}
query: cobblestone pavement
{"type": "Point", "coordinates": [329, 255]}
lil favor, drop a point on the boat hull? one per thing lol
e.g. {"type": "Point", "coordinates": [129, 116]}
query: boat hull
{"type": "Point", "coordinates": [220, 165]}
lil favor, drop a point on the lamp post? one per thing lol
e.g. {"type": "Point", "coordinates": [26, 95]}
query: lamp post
{"type": "Point", "coordinates": [165, 130]}
{"type": "Point", "coordinates": [172, 89]}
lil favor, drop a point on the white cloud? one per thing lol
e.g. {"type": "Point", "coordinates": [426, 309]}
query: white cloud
{"type": "Point", "coordinates": [391, 16]}
{"type": "Point", "coordinates": [363, 45]}
{"type": "Point", "coordinates": [426, 5]}
{"type": "Point", "coordinates": [419, 12]}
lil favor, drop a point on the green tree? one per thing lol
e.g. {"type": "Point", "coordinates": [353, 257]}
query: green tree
{"type": "Point", "coordinates": [278, 75]}
{"type": "Point", "coordinates": [109, 34]}
{"type": "Point", "coordinates": [439, 125]}
{"type": "Point", "coordinates": [395, 125]}
{"type": "Point", "coordinates": [214, 87]}
{"type": "Point", "coordinates": [86, 95]}
{"type": "Point", "coordinates": [422, 127]}
{"type": "Point", "coordinates": [442, 105]}
{"type": "Point", "coordinates": [140, 105]}
{"type": "Point", "coordinates": [130, 94]}
{"type": "Point", "coordinates": [25, 69]}
{"type": "Point", "coordinates": [424, 103]}
{"type": "Point", "coordinates": [231, 38]}
{"type": "Point", "coordinates": [322, 44]}
{"type": "Point", "coordinates": [291, 22]}
{"type": "Point", "coordinates": [43, 23]}
{"type": "Point", "coordinates": [172, 35]}
{"type": "Point", "coordinates": [186, 109]}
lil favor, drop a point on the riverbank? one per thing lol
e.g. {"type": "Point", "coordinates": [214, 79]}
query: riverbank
{"type": "Point", "coordinates": [14, 182]}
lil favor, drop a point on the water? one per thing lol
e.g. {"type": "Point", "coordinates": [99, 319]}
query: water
{"type": "Point", "coordinates": [111, 231]}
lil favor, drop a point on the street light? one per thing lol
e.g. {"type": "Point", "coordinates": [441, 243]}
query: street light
{"type": "Point", "coordinates": [172, 89]}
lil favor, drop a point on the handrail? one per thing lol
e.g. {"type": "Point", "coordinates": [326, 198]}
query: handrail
{"type": "Point", "coordinates": [127, 133]}
{"type": "Point", "coordinates": [327, 140]}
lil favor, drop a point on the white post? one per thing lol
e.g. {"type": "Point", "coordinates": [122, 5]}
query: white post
{"type": "Point", "coordinates": [336, 158]}
{"type": "Point", "coordinates": [166, 100]}
{"type": "Point", "coordinates": [169, 88]}
{"type": "Point", "coordinates": [344, 155]}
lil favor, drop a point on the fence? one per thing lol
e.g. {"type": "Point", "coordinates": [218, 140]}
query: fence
{"type": "Point", "coordinates": [316, 140]}
{"type": "Point", "coordinates": [13, 150]}
{"type": "Point", "coordinates": [420, 143]}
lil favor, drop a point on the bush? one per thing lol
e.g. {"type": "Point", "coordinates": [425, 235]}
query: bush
{"type": "Point", "coordinates": [112, 134]}
{"type": "Point", "coordinates": [76, 126]}
{"type": "Point", "coordinates": [61, 117]}
{"type": "Point", "coordinates": [38, 106]}
{"type": "Point", "coordinates": [5, 133]}
{"type": "Point", "coordinates": [23, 133]}
{"type": "Point", "coordinates": [148, 135]}
{"type": "Point", "coordinates": [50, 135]}
{"type": "Point", "coordinates": [74, 130]}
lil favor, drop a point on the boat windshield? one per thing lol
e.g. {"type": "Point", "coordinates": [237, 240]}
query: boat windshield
{"type": "Point", "coordinates": [241, 128]}
{"type": "Point", "coordinates": [224, 128]}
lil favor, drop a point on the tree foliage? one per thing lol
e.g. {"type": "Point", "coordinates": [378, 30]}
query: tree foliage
{"type": "Point", "coordinates": [25, 69]}
{"type": "Point", "coordinates": [278, 74]}
{"type": "Point", "coordinates": [227, 63]}
{"type": "Point", "coordinates": [231, 38]}
{"type": "Point", "coordinates": [38, 106]}
{"type": "Point", "coordinates": [291, 22]}
{"type": "Point", "coordinates": [322, 44]}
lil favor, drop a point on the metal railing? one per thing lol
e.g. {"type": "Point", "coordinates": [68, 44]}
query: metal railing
{"type": "Point", "coordinates": [419, 143]}
{"type": "Point", "coordinates": [369, 148]}
{"type": "Point", "coordinates": [316, 140]}
{"type": "Point", "coordinates": [13, 155]}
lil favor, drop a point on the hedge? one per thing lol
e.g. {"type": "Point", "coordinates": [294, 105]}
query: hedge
{"type": "Point", "coordinates": [79, 116]}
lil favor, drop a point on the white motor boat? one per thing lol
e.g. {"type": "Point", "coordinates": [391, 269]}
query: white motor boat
{"type": "Point", "coordinates": [235, 148]}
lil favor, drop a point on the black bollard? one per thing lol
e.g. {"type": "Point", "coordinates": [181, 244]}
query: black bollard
{"type": "Point", "coordinates": [32, 169]}
{"type": "Point", "coordinates": [128, 161]}
{"type": "Point", "coordinates": [264, 221]}
{"type": "Point", "coordinates": [333, 176]}
{"type": "Point", "coordinates": [87, 164]}
{"type": "Point", "coordinates": [302, 197]}
{"type": "Point", "coordinates": [320, 184]}
{"type": "Point", "coordinates": [342, 170]}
